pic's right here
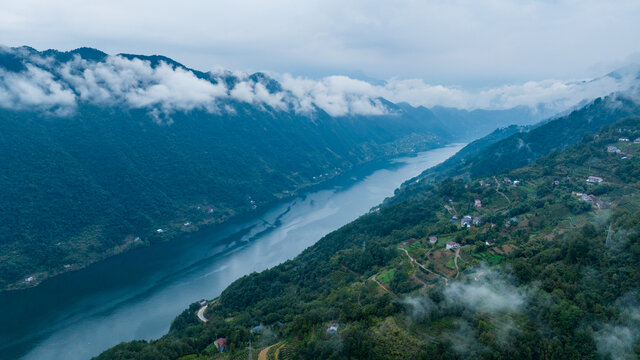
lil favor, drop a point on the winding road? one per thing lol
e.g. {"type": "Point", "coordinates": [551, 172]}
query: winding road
{"type": "Point", "coordinates": [201, 313]}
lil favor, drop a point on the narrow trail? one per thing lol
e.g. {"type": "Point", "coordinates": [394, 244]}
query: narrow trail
{"type": "Point", "coordinates": [263, 354]}
{"type": "Point", "coordinates": [416, 263]}
{"type": "Point", "coordinates": [373, 277]}
{"type": "Point", "coordinates": [201, 313]}
{"type": "Point", "coordinates": [500, 192]}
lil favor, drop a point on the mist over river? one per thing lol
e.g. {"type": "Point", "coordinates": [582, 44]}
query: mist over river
{"type": "Point", "coordinates": [135, 295]}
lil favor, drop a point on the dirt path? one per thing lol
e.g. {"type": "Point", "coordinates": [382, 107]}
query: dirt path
{"type": "Point", "coordinates": [499, 192]}
{"type": "Point", "coordinates": [201, 313]}
{"type": "Point", "coordinates": [414, 262]}
{"type": "Point", "coordinates": [373, 277]}
{"type": "Point", "coordinates": [263, 353]}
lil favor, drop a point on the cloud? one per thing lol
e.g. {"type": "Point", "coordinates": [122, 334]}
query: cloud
{"type": "Point", "coordinates": [47, 84]}
{"type": "Point", "coordinates": [33, 88]}
{"type": "Point", "coordinates": [618, 338]}
{"type": "Point", "coordinates": [487, 292]}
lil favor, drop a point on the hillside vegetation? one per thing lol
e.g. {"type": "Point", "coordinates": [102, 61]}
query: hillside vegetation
{"type": "Point", "coordinates": [548, 268]}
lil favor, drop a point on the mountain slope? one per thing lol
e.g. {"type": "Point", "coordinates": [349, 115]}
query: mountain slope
{"type": "Point", "coordinates": [105, 153]}
{"type": "Point", "coordinates": [544, 273]}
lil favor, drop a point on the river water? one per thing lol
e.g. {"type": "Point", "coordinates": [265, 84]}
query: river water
{"type": "Point", "coordinates": [135, 295]}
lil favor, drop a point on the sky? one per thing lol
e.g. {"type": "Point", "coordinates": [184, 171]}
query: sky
{"type": "Point", "coordinates": [340, 56]}
{"type": "Point", "coordinates": [471, 44]}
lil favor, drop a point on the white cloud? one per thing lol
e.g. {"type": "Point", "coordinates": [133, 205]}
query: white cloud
{"type": "Point", "coordinates": [134, 82]}
{"type": "Point", "coordinates": [617, 339]}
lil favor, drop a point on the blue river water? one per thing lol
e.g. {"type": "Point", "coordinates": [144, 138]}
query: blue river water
{"type": "Point", "coordinates": [135, 295]}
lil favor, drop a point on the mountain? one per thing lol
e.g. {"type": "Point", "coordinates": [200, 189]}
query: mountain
{"type": "Point", "coordinates": [546, 269]}
{"type": "Point", "coordinates": [104, 153]}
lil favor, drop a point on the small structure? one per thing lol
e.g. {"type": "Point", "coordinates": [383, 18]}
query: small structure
{"type": "Point", "coordinates": [477, 203]}
{"type": "Point", "coordinates": [433, 239]}
{"type": "Point", "coordinates": [490, 242]}
{"type": "Point", "coordinates": [29, 279]}
{"type": "Point", "coordinates": [187, 223]}
{"type": "Point", "coordinates": [159, 231]}
{"type": "Point", "coordinates": [221, 344]}
{"type": "Point", "coordinates": [483, 183]}
{"type": "Point", "coordinates": [202, 302]}
{"type": "Point", "coordinates": [556, 182]}
{"type": "Point", "coordinates": [594, 180]}
{"type": "Point", "coordinates": [256, 329]}
{"type": "Point", "coordinates": [613, 149]}
{"type": "Point", "coordinates": [477, 221]}
{"type": "Point", "coordinates": [513, 220]}
{"type": "Point", "coordinates": [636, 141]}
{"type": "Point", "coordinates": [624, 158]}
{"type": "Point", "coordinates": [333, 328]}
{"type": "Point", "coordinates": [454, 218]}
{"type": "Point", "coordinates": [516, 183]}
{"type": "Point", "coordinates": [452, 245]}
{"type": "Point", "coordinates": [410, 241]}
{"type": "Point", "coordinates": [588, 198]}
{"type": "Point", "coordinates": [466, 221]}
{"type": "Point", "coordinates": [624, 139]}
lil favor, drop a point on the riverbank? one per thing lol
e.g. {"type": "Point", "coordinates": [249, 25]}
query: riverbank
{"type": "Point", "coordinates": [114, 297]}
{"type": "Point", "coordinates": [186, 223]}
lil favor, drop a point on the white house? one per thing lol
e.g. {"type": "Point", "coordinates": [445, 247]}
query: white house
{"type": "Point", "coordinates": [594, 180]}
{"type": "Point", "coordinates": [452, 245]}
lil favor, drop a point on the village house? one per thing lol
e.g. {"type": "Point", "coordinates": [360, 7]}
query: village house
{"type": "Point", "coordinates": [477, 203]}
{"type": "Point", "coordinates": [452, 245]}
{"type": "Point", "coordinates": [159, 231]}
{"type": "Point", "coordinates": [516, 183]}
{"type": "Point", "coordinates": [410, 241]}
{"type": "Point", "coordinates": [454, 218]}
{"type": "Point", "coordinates": [433, 239]}
{"type": "Point", "coordinates": [613, 149]}
{"type": "Point", "coordinates": [477, 220]}
{"type": "Point", "coordinates": [594, 180]}
{"type": "Point", "coordinates": [221, 344]}
{"type": "Point", "coordinates": [490, 242]}
{"type": "Point", "coordinates": [466, 221]}
{"type": "Point", "coordinates": [636, 141]}
{"type": "Point", "coordinates": [624, 139]}
{"type": "Point", "coordinates": [333, 328]}
{"type": "Point", "coordinates": [588, 198]}
{"type": "Point", "coordinates": [202, 302]}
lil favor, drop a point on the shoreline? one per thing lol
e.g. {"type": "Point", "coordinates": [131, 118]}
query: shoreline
{"type": "Point", "coordinates": [176, 233]}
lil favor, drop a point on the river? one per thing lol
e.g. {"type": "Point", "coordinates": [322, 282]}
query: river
{"type": "Point", "coordinates": [135, 295]}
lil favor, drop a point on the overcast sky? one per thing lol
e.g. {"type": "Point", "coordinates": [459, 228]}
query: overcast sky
{"type": "Point", "coordinates": [465, 43]}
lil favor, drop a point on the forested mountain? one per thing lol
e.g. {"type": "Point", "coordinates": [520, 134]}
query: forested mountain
{"type": "Point", "coordinates": [103, 153]}
{"type": "Point", "coordinates": [546, 266]}
{"type": "Point", "coordinates": [515, 146]}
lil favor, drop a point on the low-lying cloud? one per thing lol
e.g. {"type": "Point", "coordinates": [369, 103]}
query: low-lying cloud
{"type": "Point", "coordinates": [47, 84]}
{"type": "Point", "coordinates": [617, 339]}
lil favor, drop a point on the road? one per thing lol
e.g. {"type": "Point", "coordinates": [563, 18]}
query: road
{"type": "Point", "coordinates": [201, 313]}
{"type": "Point", "coordinates": [455, 262]}
{"type": "Point", "coordinates": [498, 190]}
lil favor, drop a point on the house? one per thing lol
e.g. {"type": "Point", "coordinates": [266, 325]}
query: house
{"type": "Point", "coordinates": [466, 221]}
{"type": "Point", "coordinates": [454, 218]}
{"type": "Point", "coordinates": [483, 183]}
{"type": "Point", "coordinates": [636, 141]}
{"type": "Point", "coordinates": [624, 158]}
{"type": "Point", "coordinates": [256, 329]}
{"type": "Point", "coordinates": [594, 180]}
{"type": "Point", "coordinates": [588, 198]}
{"type": "Point", "coordinates": [452, 245]}
{"type": "Point", "coordinates": [613, 149]}
{"type": "Point", "coordinates": [508, 181]}
{"type": "Point", "coordinates": [516, 183]}
{"type": "Point", "coordinates": [477, 220]}
{"type": "Point", "coordinates": [602, 205]}
{"type": "Point", "coordinates": [513, 220]}
{"type": "Point", "coordinates": [333, 328]}
{"type": "Point", "coordinates": [624, 139]}
{"type": "Point", "coordinates": [433, 239]}
{"type": "Point", "coordinates": [556, 182]}
{"type": "Point", "coordinates": [29, 279]}
{"type": "Point", "coordinates": [202, 302]}
{"type": "Point", "coordinates": [490, 242]}
{"type": "Point", "coordinates": [221, 344]}
{"type": "Point", "coordinates": [159, 231]}
{"type": "Point", "coordinates": [187, 224]}
{"type": "Point", "coordinates": [477, 203]}
{"type": "Point", "coordinates": [410, 241]}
